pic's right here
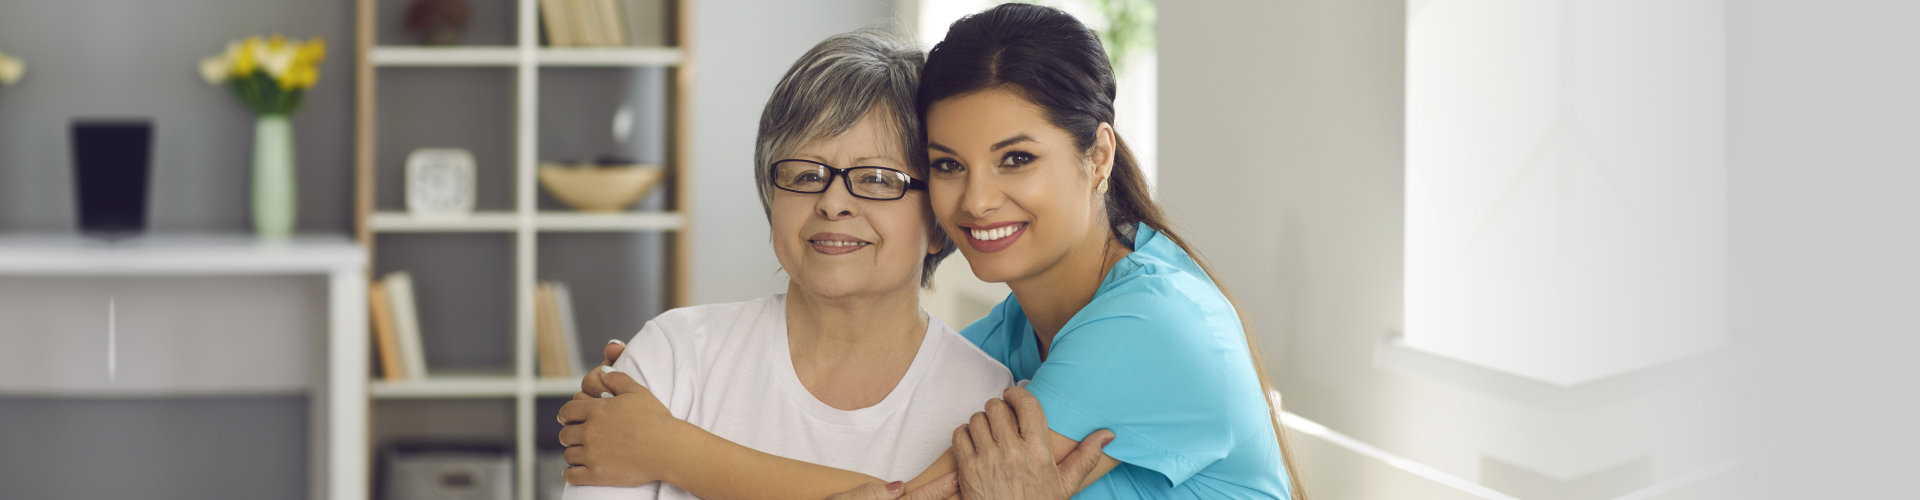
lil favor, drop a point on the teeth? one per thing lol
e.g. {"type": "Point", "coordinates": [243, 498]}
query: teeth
{"type": "Point", "coordinates": [995, 233]}
{"type": "Point", "coordinates": [840, 243]}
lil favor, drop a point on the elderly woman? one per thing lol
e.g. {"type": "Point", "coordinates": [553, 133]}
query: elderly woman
{"type": "Point", "coordinates": [844, 369]}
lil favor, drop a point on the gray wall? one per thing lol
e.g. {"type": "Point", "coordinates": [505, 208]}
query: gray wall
{"type": "Point", "coordinates": [138, 58]}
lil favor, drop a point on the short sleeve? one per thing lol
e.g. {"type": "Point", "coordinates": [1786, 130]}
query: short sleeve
{"type": "Point", "coordinates": [650, 359]}
{"type": "Point", "coordinates": [1149, 365]}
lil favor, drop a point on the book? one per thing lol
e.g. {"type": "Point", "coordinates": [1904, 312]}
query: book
{"type": "Point", "coordinates": [585, 22]}
{"type": "Point", "coordinates": [646, 22]}
{"type": "Point", "coordinates": [569, 334]}
{"type": "Point", "coordinates": [406, 320]}
{"type": "Point", "coordinates": [547, 343]}
{"type": "Point", "coordinates": [613, 27]}
{"type": "Point", "coordinates": [554, 15]}
{"type": "Point", "coordinates": [386, 346]}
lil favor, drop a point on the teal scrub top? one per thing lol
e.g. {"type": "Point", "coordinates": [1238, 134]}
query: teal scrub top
{"type": "Point", "coordinates": [1159, 358]}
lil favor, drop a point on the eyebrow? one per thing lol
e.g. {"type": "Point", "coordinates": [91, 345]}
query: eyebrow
{"type": "Point", "coordinates": [1011, 141]}
{"type": "Point", "coordinates": [996, 146]}
{"type": "Point", "coordinates": [869, 159]}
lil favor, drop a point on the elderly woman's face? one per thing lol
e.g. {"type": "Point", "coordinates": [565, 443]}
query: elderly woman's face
{"type": "Point", "coordinates": [837, 245]}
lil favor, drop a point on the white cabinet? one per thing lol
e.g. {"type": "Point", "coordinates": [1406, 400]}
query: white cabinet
{"type": "Point", "coordinates": [268, 363]}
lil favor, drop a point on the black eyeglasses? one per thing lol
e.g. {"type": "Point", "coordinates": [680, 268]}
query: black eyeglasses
{"type": "Point", "coordinates": [872, 183]}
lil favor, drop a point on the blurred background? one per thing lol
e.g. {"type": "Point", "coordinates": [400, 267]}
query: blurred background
{"type": "Point", "coordinates": [1556, 249]}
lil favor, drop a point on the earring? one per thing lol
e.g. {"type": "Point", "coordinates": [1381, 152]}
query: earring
{"type": "Point", "coordinates": [1100, 188]}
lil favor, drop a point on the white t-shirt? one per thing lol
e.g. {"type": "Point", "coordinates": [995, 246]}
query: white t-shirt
{"type": "Point", "coordinates": [726, 368]}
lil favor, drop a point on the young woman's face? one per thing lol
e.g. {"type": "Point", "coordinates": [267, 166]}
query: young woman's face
{"type": "Point", "coordinates": [1010, 188]}
{"type": "Point", "coordinates": [834, 244]}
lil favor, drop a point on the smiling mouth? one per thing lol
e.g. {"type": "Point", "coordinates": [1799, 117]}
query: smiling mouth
{"type": "Point", "coordinates": [836, 243]}
{"type": "Point", "coordinates": [996, 233]}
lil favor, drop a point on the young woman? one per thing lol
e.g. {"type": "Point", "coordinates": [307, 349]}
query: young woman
{"type": "Point", "coordinates": [1113, 320]}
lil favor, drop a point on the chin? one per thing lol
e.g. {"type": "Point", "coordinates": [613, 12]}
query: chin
{"type": "Point", "coordinates": [992, 268]}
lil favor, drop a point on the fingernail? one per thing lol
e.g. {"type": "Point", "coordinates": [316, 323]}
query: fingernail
{"type": "Point", "coordinates": [606, 368]}
{"type": "Point", "coordinates": [609, 394]}
{"type": "Point", "coordinates": [1103, 442]}
{"type": "Point", "coordinates": [894, 487]}
{"type": "Point", "coordinates": [616, 341]}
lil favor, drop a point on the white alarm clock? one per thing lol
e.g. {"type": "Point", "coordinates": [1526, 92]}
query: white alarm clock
{"type": "Point", "coordinates": [440, 182]}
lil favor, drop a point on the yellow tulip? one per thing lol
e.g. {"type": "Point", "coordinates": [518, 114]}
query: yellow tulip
{"type": "Point", "coordinates": [291, 80]}
{"type": "Point", "coordinates": [242, 58]}
{"type": "Point", "coordinates": [314, 50]}
{"type": "Point", "coordinates": [276, 42]}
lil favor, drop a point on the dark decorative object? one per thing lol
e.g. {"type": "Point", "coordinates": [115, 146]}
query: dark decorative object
{"type": "Point", "coordinates": [110, 171]}
{"type": "Point", "coordinates": [439, 22]}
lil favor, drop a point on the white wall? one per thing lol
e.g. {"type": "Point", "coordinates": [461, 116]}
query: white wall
{"type": "Point", "coordinates": [1281, 142]}
{"type": "Point", "coordinates": [741, 48]}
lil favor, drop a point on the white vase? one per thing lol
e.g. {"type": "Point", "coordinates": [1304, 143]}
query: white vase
{"type": "Point", "coordinates": [273, 180]}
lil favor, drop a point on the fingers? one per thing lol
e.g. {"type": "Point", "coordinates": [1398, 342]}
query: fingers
{"type": "Point", "coordinates": [620, 383]}
{"type": "Point", "coordinates": [1001, 421]}
{"type": "Point", "coordinates": [942, 487]}
{"type": "Point", "coordinates": [575, 455]}
{"type": "Point", "coordinates": [871, 491]}
{"type": "Point", "coordinates": [573, 435]}
{"type": "Point", "coordinates": [980, 431]}
{"type": "Point", "coordinates": [962, 444]}
{"type": "Point", "coordinates": [581, 395]}
{"type": "Point", "coordinates": [1033, 419]}
{"type": "Point", "coordinates": [579, 476]}
{"type": "Point", "coordinates": [1079, 463]}
{"type": "Point", "coordinates": [613, 350]}
{"type": "Point", "coordinates": [576, 411]}
{"type": "Point", "coordinates": [591, 384]}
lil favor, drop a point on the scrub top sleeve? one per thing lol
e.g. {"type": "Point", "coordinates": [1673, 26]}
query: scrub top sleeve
{"type": "Point", "coordinates": [1148, 370]}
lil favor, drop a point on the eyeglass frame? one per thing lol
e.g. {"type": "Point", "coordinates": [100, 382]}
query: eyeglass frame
{"type": "Point", "coordinates": [846, 179]}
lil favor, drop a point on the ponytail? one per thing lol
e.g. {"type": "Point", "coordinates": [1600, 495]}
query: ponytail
{"type": "Point", "coordinates": [1128, 203]}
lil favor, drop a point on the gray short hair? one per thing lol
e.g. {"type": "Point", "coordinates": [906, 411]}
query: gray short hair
{"type": "Point", "coordinates": [833, 86]}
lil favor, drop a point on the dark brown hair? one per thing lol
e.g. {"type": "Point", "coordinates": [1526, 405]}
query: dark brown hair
{"type": "Point", "coordinates": [1053, 60]}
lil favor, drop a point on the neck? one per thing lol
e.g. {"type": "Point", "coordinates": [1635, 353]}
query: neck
{"type": "Point", "coordinates": [851, 351]}
{"type": "Point", "coordinates": [1053, 296]}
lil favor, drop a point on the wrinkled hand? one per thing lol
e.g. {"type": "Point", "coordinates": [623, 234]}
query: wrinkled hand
{"type": "Point", "coordinates": [943, 487]}
{"type": "Point", "coordinates": [624, 440]}
{"type": "Point", "coordinates": [591, 385]}
{"type": "Point", "coordinates": [1005, 452]}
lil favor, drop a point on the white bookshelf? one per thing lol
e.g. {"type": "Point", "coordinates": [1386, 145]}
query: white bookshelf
{"type": "Point", "coordinates": [337, 395]}
{"type": "Point", "coordinates": [512, 56]}
{"type": "Point", "coordinates": [470, 387]}
{"type": "Point", "coordinates": [548, 221]}
{"type": "Point", "coordinates": [525, 221]}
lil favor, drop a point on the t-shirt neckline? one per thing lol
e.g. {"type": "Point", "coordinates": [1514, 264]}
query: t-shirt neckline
{"type": "Point", "coordinates": [789, 381]}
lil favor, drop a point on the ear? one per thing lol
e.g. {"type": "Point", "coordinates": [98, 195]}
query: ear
{"type": "Point", "coordinates": [1105, 146]}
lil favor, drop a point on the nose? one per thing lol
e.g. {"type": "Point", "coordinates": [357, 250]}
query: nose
{"type": "Point", "coordinates": [836, 202]}
{"type": "Point", "coordinates": [980, 195]}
